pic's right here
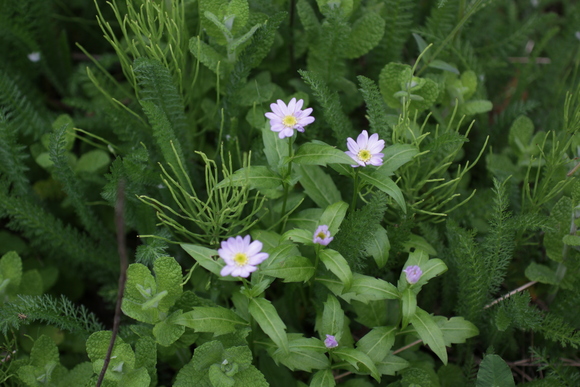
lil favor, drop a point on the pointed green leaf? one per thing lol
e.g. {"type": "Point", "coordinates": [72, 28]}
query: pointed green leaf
{"type": "Point", "coordinates": [430, 333]}
{"type": "Point", "coordinates": [318, 185]}
{"type": "Point", "coordinates": [216, 320]}
{"type": "Point", "coordinates": [332, 322]}
{"type": "Point", "coordinates": [337, 265]}
{"type": "Point", "coordinates": [494, 372]}
{"type": "Point", "coordinates": [379, 246]}
{"type": "Point", "coordinates": [275, 149]}
{"type": "Point", "coordinates": [391, 364]}
{"type": "Point", "coordinates": [208, 259]}
{"type": "Point", "coordinates": [541, 273]}
{"type": "Point", "coordinates": [377, 343]}
{"type": "Point", "coordinates": [292, 269]}
{"type": "Point", "coordinates": [381, 180]}
{"type": "Point", "coordinates": [408, 306]}
{"type": "Point", "coordinates": [298, 235]}
{"type": "Point", "coordinates": [305, 360]}
{"type": "Point", "coordinates": [333, 216]}
{"type": "Point", "coordinates": [320, 154]}
{"type": "Point", "coordinates": [255, 177]}
{"type": "Point", "coordinates": [267, 317]}
{"type": "Point", "coordinates": [395, 156]}
{"type": "Point", "coordinates": [323, 378]}
{"type": "Point", "coordinates": [456, 330]}
{"type": "Point", "coordinates": [359, 360]}
{"type": "Point", "coordinates": [372, 289]}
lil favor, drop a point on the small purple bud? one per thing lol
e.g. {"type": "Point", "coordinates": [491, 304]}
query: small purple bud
{"type": "Point", "coordinates": [413, 273]}
{"type": "Point", "coordinates": [330, 342]}
{"type": "Point", "coordinates": [322, 235]}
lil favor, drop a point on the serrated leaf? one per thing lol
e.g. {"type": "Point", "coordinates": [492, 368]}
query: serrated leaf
{"type": "Point", "coordinates": [494, 372]}
{"type": "Point", "coordinates": [372, 289]}
{"type": "Point", "coordinates": [571, 240]}
{"type": "Point", "coordinates": [320, 154]}
{"type": "Point", "coordinates": [216, 320]}
{"type": "Point", "coordinates": [541, 273]}
{"type": "Point", "coordinates": [166, 332]}
{"type": "Point", "coordinates": [337, 265]}
{"type": "Point", "coordinates": [430, 333]}
{"type": "Point", "coordinates": [456, 330]}
{"type": "Point", "coordinates": [208, 56]}
{"type": "Point", "coordinates": [292, 269]}
{"type": "Point", "coordinates": [135, 378]}
{"type": "Point", "coordinates": [10, 274]}
{"type": "Point", "coordinates": [168, 277]}
{"type": "Point", "coordinates": [267, 317]}
{"type": "Point", "coordinates": [381, 180]}
{"type": "Point", "coordinates": [122, 357]}
{"type": "Point", "coordinates": [391, 364]}
{"type": "Point", "coordinates": [377, 343]}
{"type": "Point", "coordinates": [366, 33]}
{"type": "Point", "coordinates": [357, 359]}
{"type": "Point", "coordinates": [318, 185]}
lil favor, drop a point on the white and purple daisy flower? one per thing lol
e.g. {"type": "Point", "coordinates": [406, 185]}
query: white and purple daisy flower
{"type": "Point", "coordinates": [241, 256]}
{"type": "Point", "coordinates": [284, 119]}
{"type": "Point", "coordinates": [322, 236]}
{"type": "Point", "coordinates": [366, 150]}
{"type": "Point", "coordinates": [413, 273]}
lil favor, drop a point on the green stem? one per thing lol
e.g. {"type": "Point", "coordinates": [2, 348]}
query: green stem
{"type": "Point", "coordinates": [286, 184]}
{"type": "Point", "coordinates": [355, 192]}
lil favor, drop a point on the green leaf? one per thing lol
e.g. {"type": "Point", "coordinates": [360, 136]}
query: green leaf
{"type": "Point", "coordinates": [332, 321]}
{"type": "Point", "coordinates": [292, 269]}
{"type": "Point", "coordinates": [571, 240]}
{"type": "Point", "coordinates": [323, 378]}
{"type": "Point", "coordinates": [408, 306]}
{"type": "Point", "coordinates": [430, 333]}
{"type": "Point", "coordinates": [357, 359]}
{"type": "Point", "coordinates": [381, 180]}
{"type": "Point", "coordinates": [257, 177]}
{"type": "Point", "coordinates": [240, 10]}
{"type": "Point", "coordinates": [305, 360]}
{"type": "Point", "coordinates": [10, 274]}
{"type": "Point", "coordinates": [456, 330]}
{"type": "Point", "coordinates": [391, 364]}
{"type": "Point", "coordinates": [209, 56]}
{"type": "Point", "coordinates": [337, 265]}
{"type": "Point", "coordinates": [333, 216]}
{"type": "Point", "coordinates": [320, 154]}
{"type": "Point", "coordinates": [122, 357]}
{"type": "Point", "coordinates": [441, 65]}
{"type": "Point", "coordinates": [95, 161]}
{"type": "Point", "coordinates": [43, 361]}
{"type": "Point", "coordinates": [267, 317]}
{"type": "Point", "coordinates": [216, 320]}
{"type": "Point", "coordinates": [541, 273]}
{"type": "Point", "coordinates": [140, 289]}
{"type": "Point", "coordinates": [318, 185]}
{"type": "Point", "coordinates": [168, 277]}
{"type": "Point", "coordinates": [494, 372]}
{"type": "Point", "coordinates": [395, 156]}
{"type": "Point", "coordinates": [279, 253]}
{"type": "Point", "coordinates": [377, 343]}
{"type": "Point", "coordinates": [167, 332]}
{"type": "Point", "coordinates": [366, 33]}
{"type": "Point", "coordinates": [135, 378]}
{"type": "Point", "coordinates": [372, 289]}
{"type": "Point", "coordinates": [298, 235]}
{"type": "Point", "coordinates": [379, 246]}
{"type": "Point", "coordinates": [275, 149]}
{"type": "Point", "coordinates": [205, 257]}
{"type": "Point", "coordinates": [470, 108]}
{"type": "Point", "coordinates": [431, 269]}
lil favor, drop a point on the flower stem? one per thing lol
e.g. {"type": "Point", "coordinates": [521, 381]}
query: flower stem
{"type": "Point", "coordinates": [286, 184]}
{"type": "Point", "coordinates": [355, 192]}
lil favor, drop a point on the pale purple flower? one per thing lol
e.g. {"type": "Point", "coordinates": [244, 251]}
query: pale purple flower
{"type": "Point", "coordinates": [413, 273]}
{"type": "Point", "coordinates": [241, 256]}
{"type": "Point", "coordinates": [366, 150]}
{"type": "Point", "coordinates": [284, 119]}
{"type": "Point", "coordinates": [322, 235]}
{"type": "Point", "coordinates": [330, 342]}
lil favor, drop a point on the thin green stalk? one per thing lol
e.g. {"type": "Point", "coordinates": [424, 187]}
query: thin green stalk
{"type": "Point", "coordinates": [355, 192]}
{"type": "Point", "coordinates": [286, 184]}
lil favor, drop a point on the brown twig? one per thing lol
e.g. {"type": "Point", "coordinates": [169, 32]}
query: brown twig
{"type": "Point", "coordinates": [523, 287]}
{"type": "Point", "coordinates": [124, 263]}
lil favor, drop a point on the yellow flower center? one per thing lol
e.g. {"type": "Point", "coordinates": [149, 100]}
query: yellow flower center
{"type": "Point", "coordinates": [364, 155]}
{"type": "Point", "coordinates": [241, 259]}
{"type": "Point", "coordinates": [289, 121]}
{"type": "Point", "coordinates": [321, 235]}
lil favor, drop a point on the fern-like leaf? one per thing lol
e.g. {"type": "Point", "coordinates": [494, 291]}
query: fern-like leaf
{"type": "Point", "coordinates": [60, 312]}
{"type": "Point", "coordinates": [376, 108]}
{"type": "Point", "coordinates": [12, 157]}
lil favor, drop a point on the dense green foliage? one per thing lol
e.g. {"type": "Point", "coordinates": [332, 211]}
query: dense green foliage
{"type": "Point", "coordinates": [136, 130]}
